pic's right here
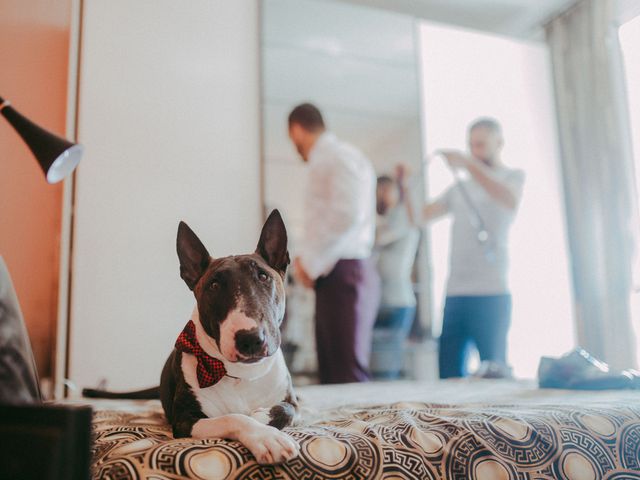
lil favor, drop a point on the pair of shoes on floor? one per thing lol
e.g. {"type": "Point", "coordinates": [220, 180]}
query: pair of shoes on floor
{"type": "Point", "coordinates": [579, 370]}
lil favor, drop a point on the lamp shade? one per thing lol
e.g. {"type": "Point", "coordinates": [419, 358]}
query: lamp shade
{"type": "Point", "coordinates": [57, 156]}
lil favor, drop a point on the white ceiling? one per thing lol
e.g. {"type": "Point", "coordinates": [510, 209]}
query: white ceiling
{"type": "Point", "coordinates": [338, 29]}
{"type": "Point", "coordinates": [518, 18]}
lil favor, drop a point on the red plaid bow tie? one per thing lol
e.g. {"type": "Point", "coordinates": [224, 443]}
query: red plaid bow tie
{"type": "Point", "coordinates": [210, 370]}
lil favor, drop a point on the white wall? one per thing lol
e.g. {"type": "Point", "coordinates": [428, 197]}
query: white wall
{"type": "Point", "coordinates": [169, 116]}
{"type": "Point", "coordinates": [469, 74]}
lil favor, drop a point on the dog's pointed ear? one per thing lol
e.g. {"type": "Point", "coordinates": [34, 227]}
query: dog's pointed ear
{"type": "Point", "coordinates": [194, 258]}
{"type": "Point", "coordinates": [272, 245]}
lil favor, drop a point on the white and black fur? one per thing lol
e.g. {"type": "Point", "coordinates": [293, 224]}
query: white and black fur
{"type": "Point", "coordinates": [240, 303]}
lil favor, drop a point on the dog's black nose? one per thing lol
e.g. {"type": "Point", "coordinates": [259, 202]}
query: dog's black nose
{"type": "Point", "coordinates": [250, 342]}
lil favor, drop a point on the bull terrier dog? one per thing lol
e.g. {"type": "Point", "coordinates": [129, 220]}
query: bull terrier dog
{"type": "Point", "coordinates": [226, 376]}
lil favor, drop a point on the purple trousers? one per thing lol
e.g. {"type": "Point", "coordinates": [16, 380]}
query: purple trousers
{"type": "Point", "coordinates": [347, 302]}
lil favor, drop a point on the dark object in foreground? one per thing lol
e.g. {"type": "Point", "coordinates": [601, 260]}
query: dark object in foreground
{"type": "Point", "coordinates": [49, 442]}
{"type": "Point", "coordinates": [578, 370]}
{"type": "Point", "coordinates": [43, 442]}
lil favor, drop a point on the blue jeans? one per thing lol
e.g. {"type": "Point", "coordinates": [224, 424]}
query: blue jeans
{"type": "Point", "coordinates": [473, 321]}
{"type": "Point", "coordinates": [390, 334]}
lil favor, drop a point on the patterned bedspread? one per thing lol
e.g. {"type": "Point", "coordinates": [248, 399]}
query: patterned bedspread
{"type": "Point", "coordinates": [486, 430]}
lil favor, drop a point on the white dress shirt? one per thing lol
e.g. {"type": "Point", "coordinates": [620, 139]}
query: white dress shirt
{"type": "Point", "coordinates": [339, 206]}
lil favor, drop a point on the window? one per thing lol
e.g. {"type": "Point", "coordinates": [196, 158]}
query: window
{"type": "Point", "coordinates": [466, 75]}
{"type": "Point", "coordinates": [629, 35]}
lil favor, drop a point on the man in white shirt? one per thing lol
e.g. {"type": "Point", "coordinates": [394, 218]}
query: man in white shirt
{"type": "Point", "coordinates": [334, 259]}
{"type": "Point", "coordinates": [477, 310]}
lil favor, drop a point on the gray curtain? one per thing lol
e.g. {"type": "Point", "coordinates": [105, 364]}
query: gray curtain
{"type": "Point", "coordinates": [598, 173]}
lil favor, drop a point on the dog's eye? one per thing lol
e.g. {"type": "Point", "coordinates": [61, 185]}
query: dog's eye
{"type": "Point", "coordinates": [215, 284]}
{"type": "Point", "coordinates": [263, 276]}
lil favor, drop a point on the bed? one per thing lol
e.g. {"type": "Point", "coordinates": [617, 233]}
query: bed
{"type": "Point", "coordinates": [482, 429]}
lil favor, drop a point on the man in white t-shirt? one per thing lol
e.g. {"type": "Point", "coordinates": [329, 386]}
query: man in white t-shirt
{"type": "Point", "coordinates": [477, 310]}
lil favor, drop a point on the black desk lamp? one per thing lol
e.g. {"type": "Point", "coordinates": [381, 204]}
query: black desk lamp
{"type": "Point", "coordinates": [46, 441]}
{"type": "Point", "coordinates": [57, 156]}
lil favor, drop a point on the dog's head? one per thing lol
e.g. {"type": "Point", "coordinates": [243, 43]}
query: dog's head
{"type": "Point", "coordinates": [240, 298]}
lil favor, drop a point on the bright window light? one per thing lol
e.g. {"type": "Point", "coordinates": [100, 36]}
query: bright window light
{"type": "Point", "coordinates": [466, 75]}
{"type": "Point", "coordinates": [630, 43]}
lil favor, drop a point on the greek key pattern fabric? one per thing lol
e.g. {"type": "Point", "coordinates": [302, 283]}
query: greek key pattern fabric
{"type": "Point", "coordinates": [400, 441]}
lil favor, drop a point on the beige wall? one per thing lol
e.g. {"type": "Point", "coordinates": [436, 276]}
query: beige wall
{"type": "Point", "coordinates": [34, 44]}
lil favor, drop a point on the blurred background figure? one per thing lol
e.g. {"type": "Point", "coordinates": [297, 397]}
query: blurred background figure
{"type": "Point", "coordinates": [396, 245]}
{"type": "Point", "coordinates": [477, 310]}
{"type": "Point", "coordinates": [337, 240]}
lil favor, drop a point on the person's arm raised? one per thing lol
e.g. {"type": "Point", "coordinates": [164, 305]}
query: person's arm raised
{"type": "Point", "coordinates": [498, 190]}
{"type": "Point", "coordinates": [434, 210]}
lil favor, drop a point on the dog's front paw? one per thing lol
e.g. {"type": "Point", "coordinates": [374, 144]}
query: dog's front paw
{"type": "Point", "coordinates": [270, 445]}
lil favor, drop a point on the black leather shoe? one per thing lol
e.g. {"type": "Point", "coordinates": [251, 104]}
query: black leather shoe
{"type": "Point", "coordinates": [579, 370]}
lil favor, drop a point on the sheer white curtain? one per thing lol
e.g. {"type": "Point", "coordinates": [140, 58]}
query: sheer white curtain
{"type": "Point", "coordinates": [598, 175]}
